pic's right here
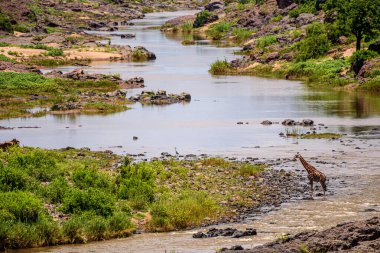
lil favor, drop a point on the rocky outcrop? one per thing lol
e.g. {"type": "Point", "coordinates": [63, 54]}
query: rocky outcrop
{"type": "Point", "coordinates": [368, 69]}
{"type": "Point", "coordinates": [180, 20]}
{"type": "Point", "coordinates": [141, 53]}
{"type": "Point", "coordinates": [233, 232]}
{"type": "Point", "coordinates": [350, 237]}
{"type": "Point", "coordinates": [291, 122]}
{"type": "Point", "coordinates": [375, 46]}
{"type": "Point", "coordinates": [160, 98]}
{"type": "Point", "coordinates": [215, 5]}
{"type": "Point", "coordinates": [20, 68]}
{"type": "Point", "coordinates": [133, 83]}
{"type": "Point", "coordinates": [284, 3]}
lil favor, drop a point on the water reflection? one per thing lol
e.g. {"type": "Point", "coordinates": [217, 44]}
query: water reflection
{"type": "Point", "coordinates": [344, 104]}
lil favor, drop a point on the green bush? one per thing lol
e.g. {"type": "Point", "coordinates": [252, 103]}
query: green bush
{"type": "Point", "coordinates": [315, 44]}
{"type": "Point", "coordinates": [265, 41]}
{"type": "Point", "coordinates": [359, 57]}
{"type": "Point", "coordinates": [12, 179]}
{"type": "Point", "coordinates": [5, 23]}
{"type": "Point", "coordinates": [26, 82]}
{"type": "Point", "coordinates": [219, 30]}
{"type": "Point", "coordinates": [220, 67]}
{"type": "Point", "coordinates": [120, 221]}
{"type": "Point", "coordinates": [38, 163]}
{"type": "Point", "coordinates": [251, 170]}
{"type": "Point", "coordinates": [137, 183]}
{"type": "Point", "coordinates": [56, 190]}
{"type": "Point", "coordinates": [84, 178]}
{"type": "Point", "coordinates": [201, 18]}
{"type": "Point", "coordinates": [23, 206]}
{"type": "Point", "coordinates": [96, 228]}
{"type": "Point", "coordinates": [180, 211]}
{"type": "Point", "coordinates": [77, 201]}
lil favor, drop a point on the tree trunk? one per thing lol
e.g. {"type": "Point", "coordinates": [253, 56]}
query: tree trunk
{"type": "Point", "coordinates": [358, 41]}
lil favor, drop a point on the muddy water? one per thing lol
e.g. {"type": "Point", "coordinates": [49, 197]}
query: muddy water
{"type": "Point", "coordinates": [208, 125]}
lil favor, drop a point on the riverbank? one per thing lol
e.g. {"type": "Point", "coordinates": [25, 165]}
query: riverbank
{"type": "Point", "coordinates": [76, 196]}
{"type": "Point", "coordinates": [359, 236]}
{"type": "Point", "coordinates": [278, 40]}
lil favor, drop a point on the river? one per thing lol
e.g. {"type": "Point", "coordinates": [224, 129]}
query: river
{"type": "Point", "coordinates": [208, 124]}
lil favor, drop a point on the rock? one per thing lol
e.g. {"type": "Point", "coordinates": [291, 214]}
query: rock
{"type": "Point", "coordinates": [237, 247]}
{"type": "Point", "coordinates": [272, 57]}
{"type": "Point", "coordinates": [368, 68]}
{"type": "Point", "coordinates": [135, 138]}
{"type": "Point", "coordinates": [136, 82]}
{"type": "Point", "coordinates": [247, 232]}
{"type": "Point", "coordinates": [180, 20]}
{"type": "Point", "coordinates": [160, 98]}
{"type": "Point", "coordinates": [214, 5]}
{"type": "Point", "coordinates": [53, 39]}
{"type": "Point", "coordinates": [288, 122]}
{"type": "Point", "coordinates": [68, 106]}
{"type": "Point", "coordinates": [375, 46]}
{"type": "Point", "coordinates": [128, 36]}
{"type": "Point", "coordinates": [359, 236]}
{"type": "Point", "coordinates": [20, 68]}
{"type": "Point", "coordinates": [307, 122]}
{"type": "Point", "coordinates": [305, 19]}
{"type": "Point", "coordinates": [342, 40]}
{"type": "Point", "coordinates": [284, 3]}
{"type": "Point", "coordinates": [146, 53]}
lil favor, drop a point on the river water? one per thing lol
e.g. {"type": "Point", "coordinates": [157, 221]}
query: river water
{"type": "Point", "coordinates": [208, 124]}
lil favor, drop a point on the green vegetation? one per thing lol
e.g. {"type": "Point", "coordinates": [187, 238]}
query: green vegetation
{"type": "Point", "coordinates": [201, 19]}
{"type": "Point", "coordinates": [96, 201]}
{"type": "Point", "coordinates": [220, 67]}
{"type": "Point", "coordinates": [51, 51]}
{"type": "Point", "coordinates": [241, 34]}
{"type": "Point", "coordinates": [219, 30]}
{"type": "Point", "coordinates": [359, 57]}
{"type": "Point", "coordinates": [265, 41]}
{"type": "Point", "coordinates": [322, 136]}
{"type": "Point", "coordinates": [15, 89]}
{"type": "Point", "coordinates": [315, 44]}
{"type": "Point", "coordinates": [5, 23]}
{"type": "Point", "coordinates": [358, 17]}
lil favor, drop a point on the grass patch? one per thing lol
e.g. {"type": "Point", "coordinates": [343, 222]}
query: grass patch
{"type": "Point", "coordinates": [322, 136]}
{"type": "Point", "coordinates": [241, 34]}
{"type": "Point", "coordinates": [104, 107]}
{"type": "Point", "coordinates": [183, 210]}
{"type": "Point", "coordinates": [220, 67]}
{"type": "Point", "coordinates": [219, 30]}
{"type": "Point", "coordinates": [247, 170]}
{"type": "Point", "coordinates": [265, 41]}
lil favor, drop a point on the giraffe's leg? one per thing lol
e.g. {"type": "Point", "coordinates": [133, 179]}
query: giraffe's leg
{"type": "Point", "coordinates": [311, 187]}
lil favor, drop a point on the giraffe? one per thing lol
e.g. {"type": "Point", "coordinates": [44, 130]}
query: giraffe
{"type": "Point", "coordinates": [5, 145]}
{"type": "Point", "coordinates": [313, 174]}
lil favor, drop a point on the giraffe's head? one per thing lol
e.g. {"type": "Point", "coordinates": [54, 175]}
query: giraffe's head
{"type": "Point", "coordinates": [298, 155]}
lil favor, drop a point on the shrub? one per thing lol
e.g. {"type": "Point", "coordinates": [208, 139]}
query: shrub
{"type": "Point", "coordinates": [38, 163]}
{"type": "Point", "coordinates": [137, 183]}
{"type": "Point", "coordinates": [73, 229]}
{"type": "Point", "coordinates": [12, 179]}
{"type": "Point", "coordinates": [251, 170]}
{"type": "Point", "coordinates": [265, 41]}
{"type": "Point", "coordinates": [220, 67]}
{"type": "Point", "coordinates": [78, 201]}
{"type": "Point", "coordinates": [4, 58]}
{"type": "Point", "coordinates": [359, 57]}
{"type": "Point", "coordinates": [315, 43]}
{"type": "Point", "coordinates": [180, 211]}
{"type": "Point", "coordinates": [56, 190]}
{"type": "Point", "coordinates": [187, 27]}
{"type": "Point", "coordinates": [96, 228]}
{"type": "Point", "coordinates": [5, 23]}
{"type": "Point", "coordinates": [84, 178]}
{"type": "Point", "coordinates": [55, 52]}
{"type": "Point", "coordinates": [119, 221]}
{"type": "Point", "coordinates": [219, 30]}
{"type": "Point", "coordinates": [201, 19]}
{"type": "Point", "coordinates": [22, 206]}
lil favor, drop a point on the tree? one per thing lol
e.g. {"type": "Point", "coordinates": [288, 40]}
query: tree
{"type": "Point", "coordinates": [360, 17]}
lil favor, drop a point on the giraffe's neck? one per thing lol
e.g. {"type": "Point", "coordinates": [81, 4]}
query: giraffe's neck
{"type": "Point", "coordinates": [305, 165]}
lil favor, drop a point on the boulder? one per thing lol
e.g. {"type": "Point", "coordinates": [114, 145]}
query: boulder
{"type": "Point", "coordinates": [305, 19]}
{"type": "Point", "coordinates": [375, 46]}
{"type": "Point", "coordinates": [136, 82]}
{"type": "Point", "coordinates": [308, 122]}
{"type": "Point", "coordinates": [266, 122]}
{"type": "Point", "coordinates": [149, 55]}
{"type": "Point", "coordinates": [272, 57]}
{"type": "Point", "coordinates": [289, 122]}
{"type": "Point", "coordinates": [215, 5]}
{"type": "Point", "coordinates": [284, 3]}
